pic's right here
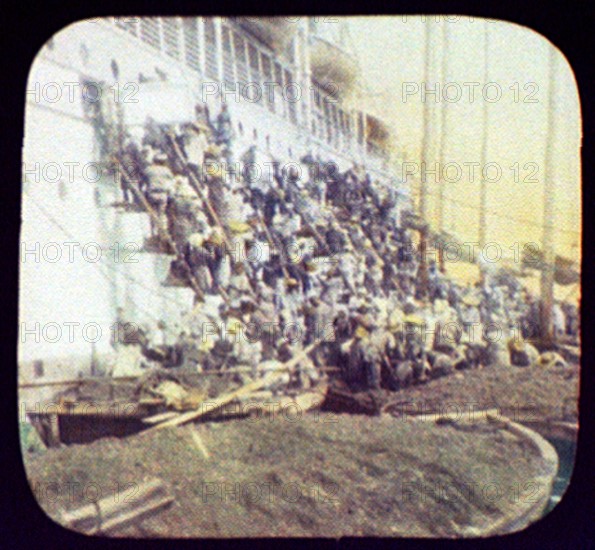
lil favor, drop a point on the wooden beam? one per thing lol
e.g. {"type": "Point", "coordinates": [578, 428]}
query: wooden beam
{"type": "Point", "coordinates": [229, 397]}
{"type": "Point", "coordinates": [549, 211]}
{"type": "Point", "coordinates": [76, 381]}
{"type": "Point", "coordinates": [112, 513]}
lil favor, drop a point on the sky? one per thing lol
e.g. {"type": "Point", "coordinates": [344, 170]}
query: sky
{"type": "Point", "coordinates": [391, 54]}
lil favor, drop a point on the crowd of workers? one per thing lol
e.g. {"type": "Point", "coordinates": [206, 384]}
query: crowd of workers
{"type": "Point", "coordinates": [284, 256]}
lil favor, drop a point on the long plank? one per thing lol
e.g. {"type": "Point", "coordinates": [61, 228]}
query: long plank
{"type": "Point", "coordinates": [76, 381]}
{"type": "Point", "coordinates": [229, 397]}
{"type": "Point", "coordinates": [110, 513]}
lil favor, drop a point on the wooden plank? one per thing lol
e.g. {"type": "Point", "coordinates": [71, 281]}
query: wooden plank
{"type": "Point", "coordinates": [229, 397]}
{"type": "Point", "coordinates": [199, 443]}
{"type": "Point", "coordinates": [110, 513]}
{"type": "Point", "coordinates": [76, 381]}
{"type": "Point", "coordinates": [155, 419]}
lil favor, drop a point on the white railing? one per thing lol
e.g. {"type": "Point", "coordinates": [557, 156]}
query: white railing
{"type": "Point", "coordinates": [245, 60]}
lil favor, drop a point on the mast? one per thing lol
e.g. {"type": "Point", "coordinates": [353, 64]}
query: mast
{"type": "Point", "coordinates": [441, 154]}
{"type": "Point", "coordinates": [484, 145]}
{"type": "Point", "coordinates": [549, 260]}
{"type": "Point", "coordinates": [443, 118]}
{"type": "Point", "coordinates": [423, 201]}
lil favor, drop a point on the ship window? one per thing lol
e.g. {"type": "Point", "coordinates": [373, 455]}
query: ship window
{"type": "Point", "coordinates": [227, 56]}
{"type": "Point", "coordinates": [149, 32]}
{"type": "Point", "coordinates": [348, 137]}
{"type": "Point", "coordinates": [241, 62]}
{"type": "Point", "coordinates": [171, 36]}
{"type": "Point", "coordinates": [360, 129]}
{"type": "Point", "coordinates": [304, 112]}
{"type": "Point", "coordinates": [337, 125]}
{"type": "Point", "coordinates": [255, 75]}
{"type": "Point", "coordinates": [279, 90]}
{"type": "Point", "coordinates": [317, 97]}
{"type": "Point", "coordinates": [210, 49]}
{"type": "Point", "coordinates": [290, 51]}
{"type": "Point", "coordinates": [191, 44]}
{"type": "Point", "coordinates": [327, 121]}
{"type": "Point", "coordinates": [267, 77]}
{"type": "Point", "coordinates": [290, 104]}
{"type": "Point", "coordinates": [129, 24]}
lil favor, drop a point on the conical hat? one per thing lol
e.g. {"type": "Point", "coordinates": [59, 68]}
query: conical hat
{"type": "Point", "coordinates": [196, 240]}
{"type": "Point", "coordinates": [214, 171]}
{"type": "Point", "coordinates": [206, 345]}
{"type": "Point", "coordinates": [361, 332]}
{"type": "Point", "coordinates": [414, 319]}
{"type": "Point", "coordinates": [216, 236]}
{"type": "Point", "coordinates": [199, 125]}
{"type": "Point", "coordinates": [212, 149]}
{"type": "Point", "coordinates": [238, 227]}
{"type": "Point", "coordinates": [471, 300]}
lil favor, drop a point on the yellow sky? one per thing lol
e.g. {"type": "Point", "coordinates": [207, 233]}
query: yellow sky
{"type": "Point", "coordinates": [391, 54]}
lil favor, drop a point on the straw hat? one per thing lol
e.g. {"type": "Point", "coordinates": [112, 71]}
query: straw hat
{"type": "Point", "coordinates": [199, 125]}
{"type": "Point", "coordinates": [214, 171]}
{"type": "Point", "coordinates": [238, 227]}
{"type": "Point", "coordinates": [213, 150]}
{"type": "Point", "coordinates": [471, 300]}
{"type": "Point", "coordinates": [292, 283]}
{"type": "Point", "coordinates": [361, 332]}
{"type": "Point", "coordinates": [216, 236]}
{"type": "Point", "coordinates": [196, 240]}
{"type": "Point", "coordinates": [207, 345]}
{"type": "Point", "coordinates": [311, 266]}
{"type": "Point", "coordinates": [413, 320]}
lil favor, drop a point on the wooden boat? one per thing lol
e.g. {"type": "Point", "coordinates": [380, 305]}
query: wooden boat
{"type": "Point", "coordinates": [69, 421]}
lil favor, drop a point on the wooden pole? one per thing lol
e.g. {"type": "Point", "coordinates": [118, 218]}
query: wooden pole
{"type": "Point", "coordinates": [271, 241]}
{"type": "Point", "coordinates": [484, 147]}
{"type": "Point", "coordinates": [234, 370]}
{"type": "Point", "coordinates": [549, 212]}
{"type": "Point", "coordinates": [229, 397]}
{"type": "Point", "coordinates": [423, 199]}
{"type": "Point", "coordinates": [75, 382]}
{"type": "Point", "coordinates": [443, 122]}
{"type": "Point", "coordinates": [111, 513]}
{"type": "Point", "coordinates": [196, 186]}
